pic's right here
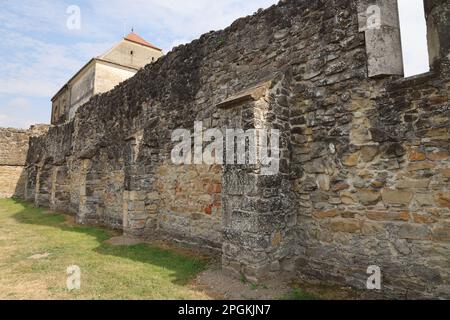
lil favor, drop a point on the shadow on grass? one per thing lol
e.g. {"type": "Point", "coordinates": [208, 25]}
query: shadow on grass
{"type": "Point", "coordinates": [183, 268]}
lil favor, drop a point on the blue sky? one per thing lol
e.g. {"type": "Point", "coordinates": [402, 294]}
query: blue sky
{"type": "Point", "coordinates": [38, 53]}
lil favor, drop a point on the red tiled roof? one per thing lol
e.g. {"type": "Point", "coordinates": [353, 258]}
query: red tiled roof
{"type": "Point", "coordinates": [133, 37]}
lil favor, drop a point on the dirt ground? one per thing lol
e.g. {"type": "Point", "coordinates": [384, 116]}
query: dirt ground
{"type": "Point", "coordinates": [217, 285]}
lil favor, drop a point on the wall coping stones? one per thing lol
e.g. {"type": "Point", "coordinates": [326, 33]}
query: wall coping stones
{"type": "Point", "coordinates": [252, 94]}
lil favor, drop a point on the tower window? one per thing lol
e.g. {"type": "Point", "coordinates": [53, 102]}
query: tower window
{"type": "Point", "coordinates": [131, 52]}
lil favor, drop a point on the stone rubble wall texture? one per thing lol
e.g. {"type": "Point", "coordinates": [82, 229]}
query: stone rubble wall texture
{"type": "Point", "coordinates": [13, 154]}
{"type": "Point", "coordinates": [364, 171]}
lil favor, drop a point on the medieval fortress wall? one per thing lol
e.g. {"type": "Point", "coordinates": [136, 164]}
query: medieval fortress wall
{"type": "Point", "coordinates": [13, 153]}
{"type": "Point", "coordinates": [364, 172]}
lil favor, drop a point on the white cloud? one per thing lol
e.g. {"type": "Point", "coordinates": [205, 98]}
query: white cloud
{"type": "Point", "coordinates": [22, 112]}
{"type": "Point", "coordinates": [3, 118]}
{"type": "Point", "coordinates": [40, 68]}
{"type": "Point", "coordinates": [10, 122]}
{"type": "Point", "coordinates": [19, 103]}
{"type": "Point", "coordinates": [17, 113]}
{"type": "Point", "coordinates": [32, 15]}
{"type": "Point", "coordinates": [173, 20]}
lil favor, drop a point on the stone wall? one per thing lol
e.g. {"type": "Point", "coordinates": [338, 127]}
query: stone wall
{"type": "Point", "coordinates": [13, 151]}
{"type": "Point", "coordinates": [374, 186]}
{"type": "Point", "coordinates": [364, 162]}
{"type": "Point", "coordinates": [12, 183]}
{"type": "Point", "coordinates": [13, 154]}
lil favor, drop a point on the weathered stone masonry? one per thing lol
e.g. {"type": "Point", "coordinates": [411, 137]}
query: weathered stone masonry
{"type": "Point", "coordinates": [364, 172]}
{"type": "Point", "coordinates": [13, 152]}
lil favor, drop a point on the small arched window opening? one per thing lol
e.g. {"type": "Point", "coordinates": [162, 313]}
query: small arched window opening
{"type": "Point", "coordinates": [414, 37]}
{"type": "Point", "coordinates": [56, 113]}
